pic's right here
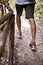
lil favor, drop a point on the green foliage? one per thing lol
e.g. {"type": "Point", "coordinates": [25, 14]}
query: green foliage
{"type": "Point", "coordinates": [39, 10]}
{"type": "Point", "coordinates": [12, 4]}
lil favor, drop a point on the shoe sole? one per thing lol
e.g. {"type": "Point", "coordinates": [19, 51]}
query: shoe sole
{"type": "Point", "coordinates": [19, 37]}
{"type": "Point", "coordinates": [33, 49]}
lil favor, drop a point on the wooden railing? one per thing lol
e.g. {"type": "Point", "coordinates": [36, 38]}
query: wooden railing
{"type": "Point", "coordinates": [9, 29]}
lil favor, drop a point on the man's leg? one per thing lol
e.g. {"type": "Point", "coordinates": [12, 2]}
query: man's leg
{"type": "Point", "coordinates": [33, 29]}
{"type": "Point", "coordinates": [33, 33]}
{"type": "Point", "coordinates": [18, 21]}
{"type": "Point", "coordinates": [19, 10]}
{"type": "Point", "coordinates": [30, 15]}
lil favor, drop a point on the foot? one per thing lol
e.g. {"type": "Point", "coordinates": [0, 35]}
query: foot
{"type": "Point", "coordinates": [33, 46]}
{"type": "Point", "coordinates": [19, 36]}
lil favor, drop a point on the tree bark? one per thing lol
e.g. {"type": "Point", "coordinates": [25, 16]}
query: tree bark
{"type": "Point", "coordinates": [6, 17]}
{"type": "Point", "coordinates": [11, 51]}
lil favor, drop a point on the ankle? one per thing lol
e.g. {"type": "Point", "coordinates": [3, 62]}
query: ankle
{"type": "Point", "coordinates": [20, 33]}
{"type": "Point", "coordinates": [33, 42]}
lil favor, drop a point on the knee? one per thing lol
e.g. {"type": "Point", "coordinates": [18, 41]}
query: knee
{"type": "Point", "coordinates": [17, 16]}
{"type": "Point", "coordinates": [32, 21]}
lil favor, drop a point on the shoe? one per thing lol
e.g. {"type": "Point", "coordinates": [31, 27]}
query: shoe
{"type": "Point", "coordinates": [19, 36]}
{"type": "Point", "coordinates": [33, 46]}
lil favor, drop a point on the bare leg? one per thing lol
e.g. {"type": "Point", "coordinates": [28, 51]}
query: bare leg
{"type": "Point", "coordinates": [33, 29]}
{"type": "Point", "coordinates": [33, 32]}
{"type": "Point", "coordinates": [18, 20]}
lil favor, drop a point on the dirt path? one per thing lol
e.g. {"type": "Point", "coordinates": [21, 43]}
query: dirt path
{"type": "Point", "coordinates": [24, 55]}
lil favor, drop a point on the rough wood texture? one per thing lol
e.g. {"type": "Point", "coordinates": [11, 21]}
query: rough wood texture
{"type": "Point", "coordinates": [1, 6]}
{"type": "Point", "coordinates": [11, 53]}
{"type": "Point", "coordinates": [9, 24]}
{"type": "Point", "coordinates": [6, 17]}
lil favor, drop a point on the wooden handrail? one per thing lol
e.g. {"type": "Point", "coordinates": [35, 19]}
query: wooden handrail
{"type": "Point", "coordinates": [9, 17]}
{"type": "Point", "coordinates": [4, 18]}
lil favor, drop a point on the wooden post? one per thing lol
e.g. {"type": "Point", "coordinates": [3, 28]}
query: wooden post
{"type": "Point", "coordinates": [11, 51]}
{"type": "Point", "coordinates": [6, 17]}
{"type": "Point", "coordinates": [5, 34]}
{"type": "Point", "coordinates": [2, 11]}
{"type": "Point", "coordinates": [9, 26]}
{"type": "Point", "coordinates": [2, 14]}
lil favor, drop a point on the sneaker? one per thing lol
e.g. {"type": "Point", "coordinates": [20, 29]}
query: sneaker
{"type": "Point", "coordinates": [19, 36]}
{"type": "Point", "coordinates": [33, 46]}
